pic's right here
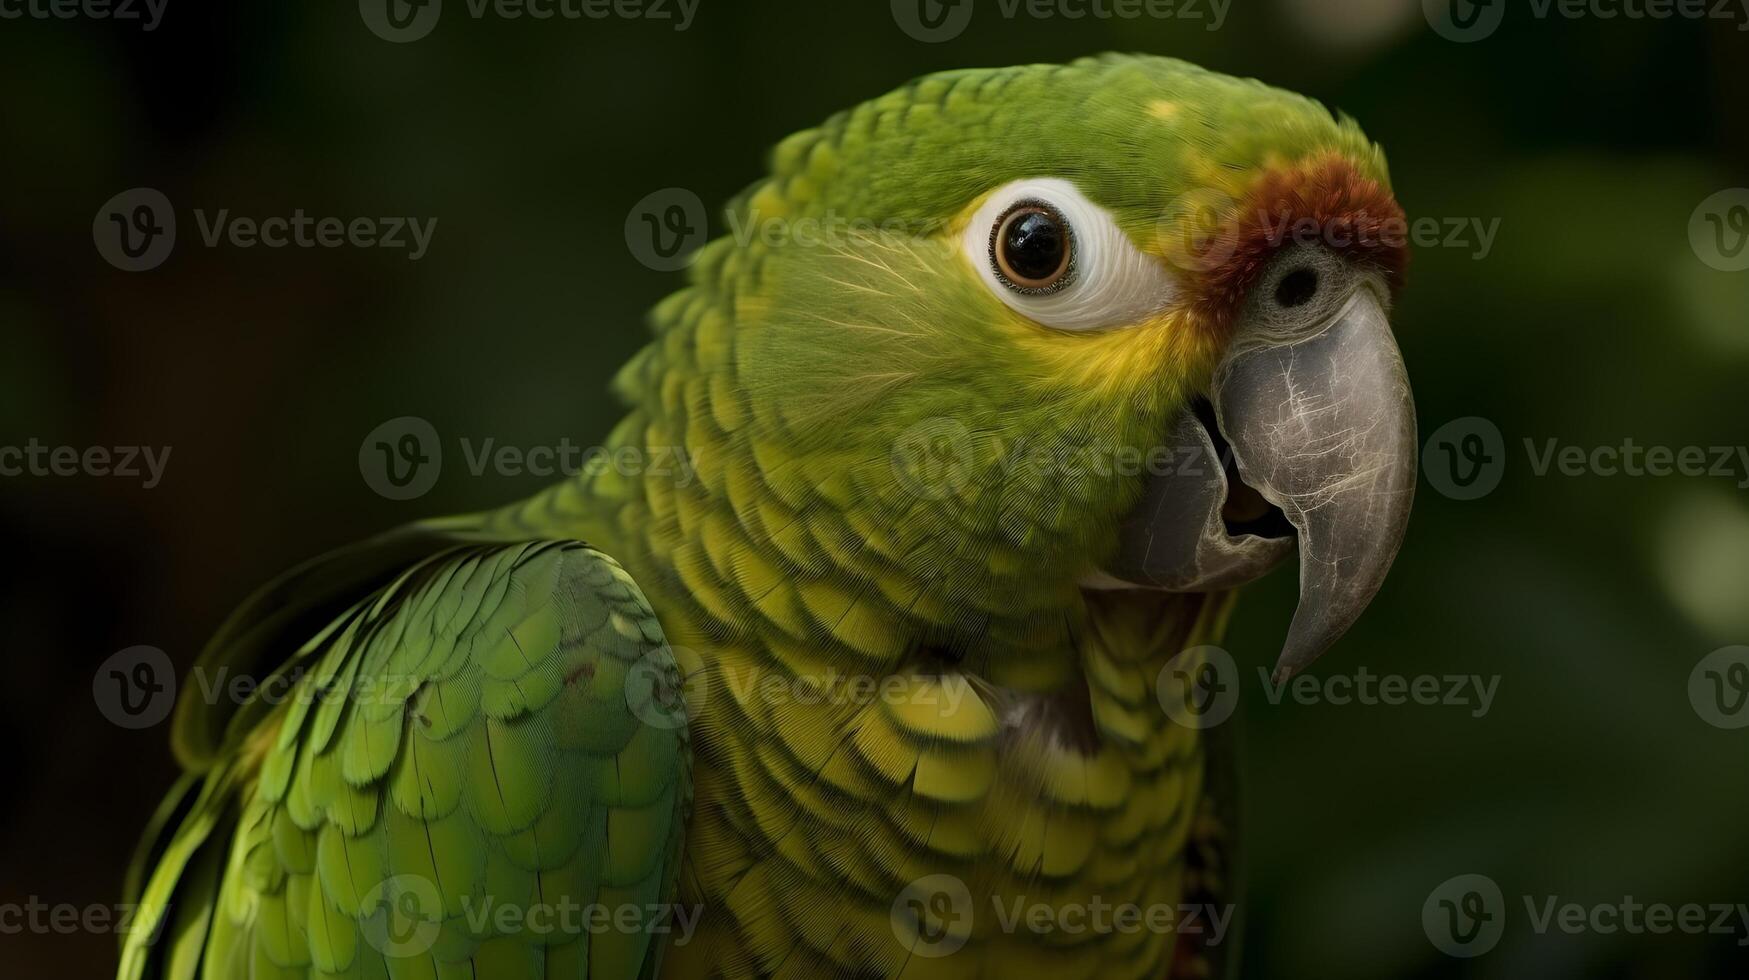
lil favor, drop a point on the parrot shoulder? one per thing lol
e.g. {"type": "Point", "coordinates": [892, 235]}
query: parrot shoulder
{"type": "Point", "coordinates": [495, 728]}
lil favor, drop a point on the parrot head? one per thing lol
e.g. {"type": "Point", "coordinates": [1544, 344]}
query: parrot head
{"type": "Point", "coordinates": [1118, 324]}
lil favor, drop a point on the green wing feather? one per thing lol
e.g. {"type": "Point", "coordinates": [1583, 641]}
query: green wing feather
{"type": "Point", "coordinates": [269, 626]}
{"type": "Point", "coordinates": [497, 728]}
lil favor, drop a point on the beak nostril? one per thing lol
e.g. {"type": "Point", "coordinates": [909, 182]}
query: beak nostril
{"type": "Point", "coordinates": [1297, 287]}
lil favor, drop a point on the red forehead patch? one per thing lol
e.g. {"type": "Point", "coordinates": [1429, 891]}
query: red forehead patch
{"type": "Point", "coordinates": [1324, 201]}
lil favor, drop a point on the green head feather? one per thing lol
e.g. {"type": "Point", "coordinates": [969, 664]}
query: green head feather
{"type": "Point", "coordinates": [882, 443]}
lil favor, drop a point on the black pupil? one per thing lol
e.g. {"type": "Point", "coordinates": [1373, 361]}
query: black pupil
{"type": "Point", "coordinates": [1034, 246]}
{"type": "Point", "coordinates": [1297, 288]}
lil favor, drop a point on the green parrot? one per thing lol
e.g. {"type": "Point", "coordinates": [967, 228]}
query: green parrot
{"type": "Point", "coordinates": [972, 471]}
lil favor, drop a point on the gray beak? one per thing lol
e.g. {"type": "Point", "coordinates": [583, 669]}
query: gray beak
{"type": "Point", "coordinates": [1316, 409]}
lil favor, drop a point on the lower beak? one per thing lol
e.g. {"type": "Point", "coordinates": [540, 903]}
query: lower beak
{"type": "Point", "coordinates": [1321, 425]}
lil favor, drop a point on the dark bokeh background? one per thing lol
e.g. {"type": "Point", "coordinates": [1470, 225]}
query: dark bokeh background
{"type": "Point", "coordinates": [1592, 320]}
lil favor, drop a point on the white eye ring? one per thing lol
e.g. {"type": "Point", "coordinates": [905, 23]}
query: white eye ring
{"type": "Point", "coordinates": [1108, 282]}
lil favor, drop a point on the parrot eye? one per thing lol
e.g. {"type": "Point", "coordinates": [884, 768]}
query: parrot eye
{"type": "Point", "coordinates": [1033, 248]}
{"type": "Point", "coordinates": [1052, 255]}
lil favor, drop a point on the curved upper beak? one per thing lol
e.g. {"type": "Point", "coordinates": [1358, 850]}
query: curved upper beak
{"type": "Point", "coordinates": [1321, 425]}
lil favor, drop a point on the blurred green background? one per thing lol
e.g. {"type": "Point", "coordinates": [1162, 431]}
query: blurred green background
{"type": "Point", "coordinates": [1591, 320]}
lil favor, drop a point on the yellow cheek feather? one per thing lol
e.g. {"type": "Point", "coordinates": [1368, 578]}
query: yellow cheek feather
{"type": "Point", "coordinates": [1162, 357]}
